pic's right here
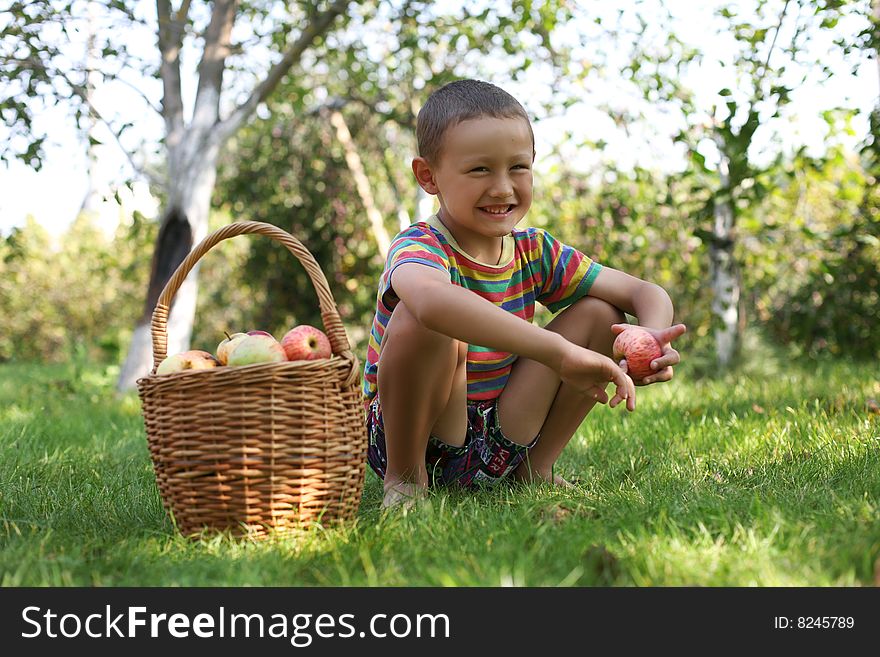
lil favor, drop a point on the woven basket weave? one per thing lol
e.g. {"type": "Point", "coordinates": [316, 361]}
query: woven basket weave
{"type": "Point", "coordinates": [257, 448]}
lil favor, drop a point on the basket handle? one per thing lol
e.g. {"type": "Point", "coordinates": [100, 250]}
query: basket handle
{"type": "Point", "coordinates": [329, 314]}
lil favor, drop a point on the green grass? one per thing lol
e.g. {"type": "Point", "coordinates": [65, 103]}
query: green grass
{"type": "Point", "coordinates": [770, 477]}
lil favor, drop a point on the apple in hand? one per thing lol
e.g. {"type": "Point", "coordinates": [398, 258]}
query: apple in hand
{"type": "Point", "coordinates": [194, 359]}
{"type": "Point", "coordinates": [257, 349]}
{"type": "Point", "coordinates": [227, 345]}
{"type": "Point", "coordinates": [639, 348]}
{"type": "Point", "coordinates": [305, 342]}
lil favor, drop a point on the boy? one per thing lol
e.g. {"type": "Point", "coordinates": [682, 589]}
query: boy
{"type": "Point", "coordinates": [460, 386]}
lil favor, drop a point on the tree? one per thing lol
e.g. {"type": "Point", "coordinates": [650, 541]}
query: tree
{"type": "Point", "coordinates": [230, 88]}
{"type": "Point", "coordinates": [765, 90]}
{"type": "Point", "coordinates": [772, 58]}
{"type": "Point", "coordinates": [193, 142]}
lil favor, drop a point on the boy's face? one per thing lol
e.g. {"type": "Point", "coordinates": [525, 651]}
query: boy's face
{"type": "Point", "coordinates": [482, 178]}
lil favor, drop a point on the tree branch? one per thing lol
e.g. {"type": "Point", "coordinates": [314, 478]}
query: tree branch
{"type": "Point", "coordinates": [140, 92]}
{"type": "Point", "coordinates": [772, 46]}
{"type": "Point", "coordinates": [183, 12]}
{"type": "Point", "coordinates": [117, 135]}
{"type": "Point", "coordinates": [362, 183]}
{"type": "Point", "coordinates": [212, 65]}
{"type": "Point", "coordinates": [81, 91]}
{"type": "Point", "coordinates": [874, 29]}
{"type": "Point", "coordinates": [293, 54]}
{"type": "Point", "coordinates": [170, 45]}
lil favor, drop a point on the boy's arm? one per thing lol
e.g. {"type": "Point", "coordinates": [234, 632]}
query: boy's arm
{"type": "Point", "coordinates": [651, 305]}
{"type": "Point", "coordinates": [647, 301]}
{"type": "Point", "coordinates": [441, 306]}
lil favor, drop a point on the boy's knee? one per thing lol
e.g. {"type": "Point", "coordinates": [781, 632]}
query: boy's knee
{"type": "Point", "coordinates": [402, 320]}
{"type": "Point", "coordinates": [598, 312]}
{"type": "Point", "coordinates": [404, 329]}
{"type": "Point", "coordinates": [596, 317]}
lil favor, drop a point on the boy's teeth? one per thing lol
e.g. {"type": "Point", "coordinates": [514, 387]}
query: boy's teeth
{"type": "Point", "coordinates": [497, 209]}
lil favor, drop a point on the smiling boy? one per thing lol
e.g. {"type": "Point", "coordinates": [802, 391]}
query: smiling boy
{"type": "Point", "coordinates": [460, 386]}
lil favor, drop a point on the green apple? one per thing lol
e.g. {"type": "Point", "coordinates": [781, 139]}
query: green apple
{"type": "Point", "coordinates": [254, 349]}
{"type": "Point", "coordinates": [194, 359]}
{"type": "Point", "coordinates": [227, 345]}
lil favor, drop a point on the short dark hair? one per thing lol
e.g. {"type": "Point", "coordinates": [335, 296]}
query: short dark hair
{"type": "Point", "coordinates": [459, 101]}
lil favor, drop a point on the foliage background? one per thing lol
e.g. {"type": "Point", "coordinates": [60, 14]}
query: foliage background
{"type": "Point", "coordinates": [808, 226]}
{"type": "Point", "coordinates": [810, 264]}
{"type": "Point", "coordinates": [810, 254]}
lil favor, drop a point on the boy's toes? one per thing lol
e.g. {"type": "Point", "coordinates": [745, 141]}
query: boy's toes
{"type": "Point", "coordinates": [558, 480]}
{"type": "Point", "coordinates": [403, 495]}
{"type": "Point", "coordinates": [570, 483]}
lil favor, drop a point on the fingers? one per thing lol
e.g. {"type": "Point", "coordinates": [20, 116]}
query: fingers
{"type": "Point", "coordinates": [669, 358]}
{"type": "Point", "coordinates": [661, 376]}
{"type": "Point", "coordinates": [669, 334]}
{"type": "Point", "coordinates": [630, 398]}
{"type": "Point", "coordinates": [663, 335]}
{"type": "Point", "coordinates": [662, 366]}
{"type": "Point", "coordinates": [625, 390]}
{"type": "Point", "coordinates": [599, 395]}
{"type": "Point", "coordinates": [630, 386]}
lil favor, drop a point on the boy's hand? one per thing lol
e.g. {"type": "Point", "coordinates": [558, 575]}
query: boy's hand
{"type": "Point", "coordinates": [591, 372]}
{"type": "Point", "coordinates": [662, 366]}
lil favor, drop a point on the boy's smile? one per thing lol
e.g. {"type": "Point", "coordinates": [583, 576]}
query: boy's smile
{"type": "Point", "coordinates": [483, 180]}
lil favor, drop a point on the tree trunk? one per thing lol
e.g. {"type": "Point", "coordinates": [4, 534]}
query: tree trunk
{"type": "Point", "coordinates": [92, 200]}
{"type": "Point", "coordinates": [192, 154]}
{"type": "Point", "coordinates": [184, 224]}
{"type": "Point", "coordinates": [362, 183]}
{"type": "Point", "coordinates": [725, 280]}
{"type": "Point", "coordinates": [876, 8]}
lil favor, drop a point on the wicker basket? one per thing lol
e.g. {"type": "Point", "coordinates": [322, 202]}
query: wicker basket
{"type": "Point", "coordinates": [257, 448]}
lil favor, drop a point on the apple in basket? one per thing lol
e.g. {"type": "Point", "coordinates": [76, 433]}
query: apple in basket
{"type": "Point", "coordinates": [305, 342]}
{"type": "Point", "coordinates": [258, 348]}
{"type": "Point", "coordinates": [227, 345]}
{"type": "Point", "coordinates": [194, 359]}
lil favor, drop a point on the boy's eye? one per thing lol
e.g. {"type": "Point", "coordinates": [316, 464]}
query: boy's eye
{"type": "Point", "coordinates": [521, 166]}
{"type": "Point", "coordinates": [479, 169]}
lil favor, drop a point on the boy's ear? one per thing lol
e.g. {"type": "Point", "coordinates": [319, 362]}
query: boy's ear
{"type": "Point", "coordinates": [424, 175]}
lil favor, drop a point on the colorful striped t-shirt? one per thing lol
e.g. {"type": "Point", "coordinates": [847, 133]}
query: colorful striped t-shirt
{"type": "Point", "coordinates": [534, 266]}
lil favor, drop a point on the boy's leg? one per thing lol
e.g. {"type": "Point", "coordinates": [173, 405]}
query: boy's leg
{"type": "Point", "coordinates": [422, 381]}
{"type": "Point", "coordinates": [533, 400]}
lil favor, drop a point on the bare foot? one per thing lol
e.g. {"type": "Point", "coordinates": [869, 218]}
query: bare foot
{"type": "Point", "coordinates": [403, 494]}
{"type": "Point", "coordinates": [562, 483]}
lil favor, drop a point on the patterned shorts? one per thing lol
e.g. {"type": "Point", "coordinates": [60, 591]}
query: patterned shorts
{"type": "Point", "coordinates": [486, 457]}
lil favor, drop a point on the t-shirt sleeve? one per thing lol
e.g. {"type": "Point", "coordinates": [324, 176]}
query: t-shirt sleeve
{"type": "Point", "coordinates": [567, 273]}
{"type": "Point", "coordinates": [413, 245]}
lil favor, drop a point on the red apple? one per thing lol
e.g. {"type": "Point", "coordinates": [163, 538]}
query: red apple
{"type": "Point", "coordinates": [257, 349]}
{"type": "Point", "coordinates": [227, 345]}
{"type": "Point", "coordinates": [639, 348]}
{"type": "Point", "coordinates": [305, 342]}
{"type": "Point", "coordinates": [194, 359]}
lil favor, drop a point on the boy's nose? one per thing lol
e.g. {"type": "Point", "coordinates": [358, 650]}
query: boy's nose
{"type": "Point", "coordinates": [502, 187]}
